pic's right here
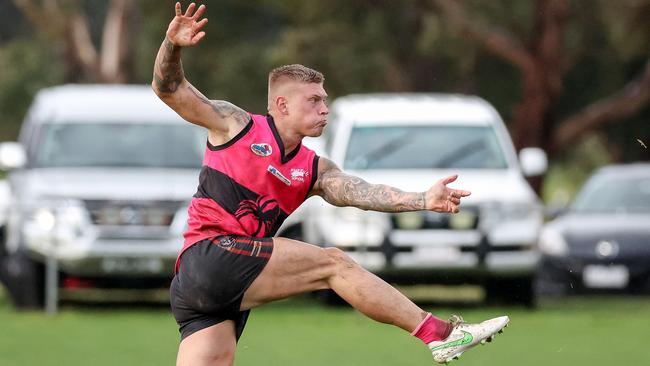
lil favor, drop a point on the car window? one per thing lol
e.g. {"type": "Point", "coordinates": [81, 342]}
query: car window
{"type": "Point", "coordinates": [120, 145]}
{"type": "Point", "coordinates": [603, 194]}
{"type": "Point", "coordinates": [424, 147]}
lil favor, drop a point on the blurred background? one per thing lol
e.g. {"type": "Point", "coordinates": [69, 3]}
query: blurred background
{"type": "Point", "coordinates": [571, 77]}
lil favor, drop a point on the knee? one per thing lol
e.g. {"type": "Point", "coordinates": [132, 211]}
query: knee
{"type": "Point", "coordinates": [340, 259]}
{"type": "Point", "coordinates": [225, 358]}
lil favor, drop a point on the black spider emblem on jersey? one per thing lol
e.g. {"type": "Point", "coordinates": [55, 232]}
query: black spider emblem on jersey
{"type": "Point", "coordinates": [264, 211]}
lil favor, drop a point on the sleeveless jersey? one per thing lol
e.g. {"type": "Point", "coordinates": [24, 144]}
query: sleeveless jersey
{"type": "Point", "coordinates": [248, 186]}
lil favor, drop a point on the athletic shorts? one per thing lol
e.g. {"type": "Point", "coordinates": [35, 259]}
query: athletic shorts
{"type": "Point", "coordinates": [212, 278]}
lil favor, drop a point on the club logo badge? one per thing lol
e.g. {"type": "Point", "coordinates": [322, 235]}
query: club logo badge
{"type": "Point", "coordinates": [262, 149]}
{"type": "Point", "coordinates": [299, 174]}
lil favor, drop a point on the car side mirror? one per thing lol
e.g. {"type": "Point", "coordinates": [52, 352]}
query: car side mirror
{"type": "Point", "coordinates": [12, 156]}
{"type": "Point", "coordinates": [533, 161]}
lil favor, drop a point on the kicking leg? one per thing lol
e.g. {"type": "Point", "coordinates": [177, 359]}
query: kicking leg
{"type": "Point", "coordinates": [296, 267]}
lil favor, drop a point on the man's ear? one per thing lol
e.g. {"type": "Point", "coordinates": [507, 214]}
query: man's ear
{"type": "Point", "coordinates": [282, 105]}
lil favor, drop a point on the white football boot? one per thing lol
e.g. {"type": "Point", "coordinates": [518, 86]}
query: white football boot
{"type": "Point", "coordinates": [465, 336]}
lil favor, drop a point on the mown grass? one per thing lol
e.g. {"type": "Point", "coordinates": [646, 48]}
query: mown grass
{"type": "Point", "coordinates": [576, 331]}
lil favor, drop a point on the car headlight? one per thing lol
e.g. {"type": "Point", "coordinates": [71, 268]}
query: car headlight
{"type": "Point", "coordinates": [493, 214]}
{"type": "Point", "coordinates": [552, 242]}
{"type": "Point", "coordinates": [44, 219]}
{"type": "Point", "coordinates": [350, 227]}
{"type": "Point", "coordinates": [60, 221]}
{"type": "Point", "coordinates": [519, 211]}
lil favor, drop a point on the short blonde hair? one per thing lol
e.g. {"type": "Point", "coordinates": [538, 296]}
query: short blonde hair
{"type": "Point", "coordinates": [295, 72]}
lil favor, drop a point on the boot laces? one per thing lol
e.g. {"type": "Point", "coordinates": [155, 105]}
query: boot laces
{"type": "Point", "coordinates": [456, 320]}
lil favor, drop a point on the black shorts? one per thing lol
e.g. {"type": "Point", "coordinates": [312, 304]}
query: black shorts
{"type": "Point", "coordinates": [212, 278]}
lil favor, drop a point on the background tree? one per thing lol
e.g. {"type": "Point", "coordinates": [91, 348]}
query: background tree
{"type": "Point", "coordinates": [66, 23]}
{"type": "Point", "coordinates": [563, 73]}
{"type": "Point", "coordinates": [543, 59]}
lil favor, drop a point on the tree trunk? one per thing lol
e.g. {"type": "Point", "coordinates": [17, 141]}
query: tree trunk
{"type": "Point", "coordinates": [65, 25]}
{"type": "Point", "coordinates": [531, 116]}
{"type": "Point", "coordinates": [541, 67]}
{"type": "Point", "coordinates": [117, 55]}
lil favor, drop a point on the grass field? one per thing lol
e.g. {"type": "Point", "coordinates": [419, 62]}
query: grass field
{"type": "Point", "coordinates": [577, 331]}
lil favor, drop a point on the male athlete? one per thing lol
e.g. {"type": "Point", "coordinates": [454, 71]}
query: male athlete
{"type": "Point", "coordinates": [255, 173]}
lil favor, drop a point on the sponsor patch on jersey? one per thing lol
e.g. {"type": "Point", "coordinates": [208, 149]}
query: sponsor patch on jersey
{"type": "Point", "coordinates": [261, 149]}
{"type": "Point", "coordinates": [299, 174]}
{"type": "Point", "coordinates": [273, 170]}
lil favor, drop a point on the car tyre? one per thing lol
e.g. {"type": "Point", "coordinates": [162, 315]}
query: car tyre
{"type": "Point", "coordinates": [24, 279]}
{"type": "Point", "coordinates": [519, 290]}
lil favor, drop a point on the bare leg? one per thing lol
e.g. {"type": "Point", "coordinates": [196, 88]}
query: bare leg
{"type": "Point", "coordinates": [212, 346]}
{"type": "Point", "coordinates": [296, 267]}
{"type": "Point", "coordinates": [373, 296]}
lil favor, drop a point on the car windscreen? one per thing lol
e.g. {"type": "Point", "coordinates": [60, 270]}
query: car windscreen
{"type": "Point", "coordinates": [614, 194]}
{"type": "Point", "coordinates": [161, 145]}
{"type": "Point", "coordinates": [424, 147]}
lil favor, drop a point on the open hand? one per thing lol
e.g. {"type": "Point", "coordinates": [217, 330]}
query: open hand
{"type": "Point", "coordinates": [441, 198]}
{"type": "Point", "coordinates": [184, 29]}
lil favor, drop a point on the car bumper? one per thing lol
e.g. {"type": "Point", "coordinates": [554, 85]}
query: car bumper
{"type": "Point", "coordinates": [443, 266]}
{"type": "Point", "coordinates": [116, 258]}
{"type": "Point", "coordinates": [593, 274]}
{"type": "Point", "coordinates": [498, 262]}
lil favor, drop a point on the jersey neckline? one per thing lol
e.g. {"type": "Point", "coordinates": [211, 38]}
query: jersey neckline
{"type": "Point", "coordinates": [237, 137]}
{"type": "Point", "coordinates": [283, 158]}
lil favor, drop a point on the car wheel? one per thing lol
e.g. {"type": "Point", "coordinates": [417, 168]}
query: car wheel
{"type": "Point", "coordinates": [3, 247]}
{"type": "Point", "coordinates": [24, 279]}
{"type": "Point", "coordinates": [511, 291]}
{"type": "Point", "coordinates": [3, 255]}
{"type": "Point", "coordinates": [551, 281]}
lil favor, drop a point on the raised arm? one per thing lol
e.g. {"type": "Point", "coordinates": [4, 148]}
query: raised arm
{"type": "Point", "coordinates": [341, 189]}
{"type": "Point", "coordinates": [169, 83]}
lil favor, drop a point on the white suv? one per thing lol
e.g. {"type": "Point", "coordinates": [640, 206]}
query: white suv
{"type": "Point", "coordinates": [409, 141]}
{"type": "Point", "coordinates": [100, 178]}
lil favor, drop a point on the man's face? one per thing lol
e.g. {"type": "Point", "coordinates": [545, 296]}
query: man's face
{"type": "Point", "coordinates": [307, 105]}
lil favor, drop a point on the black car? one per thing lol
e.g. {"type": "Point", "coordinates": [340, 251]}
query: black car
{"type": "Point", "coordinates": [602, 242]}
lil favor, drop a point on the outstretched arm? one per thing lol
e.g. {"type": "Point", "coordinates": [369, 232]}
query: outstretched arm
{"type": "Point", "coordinates": [172, 87]}
{"type": "Point", "coordinates": [341, 189]}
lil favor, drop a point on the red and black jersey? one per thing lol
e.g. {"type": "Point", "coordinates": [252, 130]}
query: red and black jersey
{"type": "Point", "coordinates": [248, 186]}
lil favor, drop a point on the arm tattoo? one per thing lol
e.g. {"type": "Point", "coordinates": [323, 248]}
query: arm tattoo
{"type": "Point", "coordinates": [341, 189]}
{"type": "Point", "coordinates": [424, 201]}
{"type": "Point", "coordinates": [224, 109]}
{"type": "Point", "coordinates": [168, 71]}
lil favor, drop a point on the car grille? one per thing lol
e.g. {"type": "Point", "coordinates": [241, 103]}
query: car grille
{"type": "Point", "coordinates": [466, 219]}
{"type": "Point", "coordinates": [132, 213]}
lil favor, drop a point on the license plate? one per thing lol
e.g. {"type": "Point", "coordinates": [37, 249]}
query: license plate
{"type": "Point", "coordinates": [616, 276]}
{"type": "Point", "coordinates": [132, 265]}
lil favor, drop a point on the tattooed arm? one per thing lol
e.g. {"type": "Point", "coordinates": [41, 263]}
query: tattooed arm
{"type": "Point", "coordinates": [341, 189]}
{"type": "Point", "coordinates": [222, 118]}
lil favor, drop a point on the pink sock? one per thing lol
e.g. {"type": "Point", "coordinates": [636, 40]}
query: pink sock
{"type": "Point", "coordinates": [432, 329]}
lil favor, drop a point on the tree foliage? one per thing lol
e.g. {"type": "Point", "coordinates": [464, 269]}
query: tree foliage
{"type": "Point", "coordinates": [557, 70]}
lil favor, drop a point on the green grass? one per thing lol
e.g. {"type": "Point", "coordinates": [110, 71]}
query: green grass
{"type": "Point", "coordinates": [578, 331]}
